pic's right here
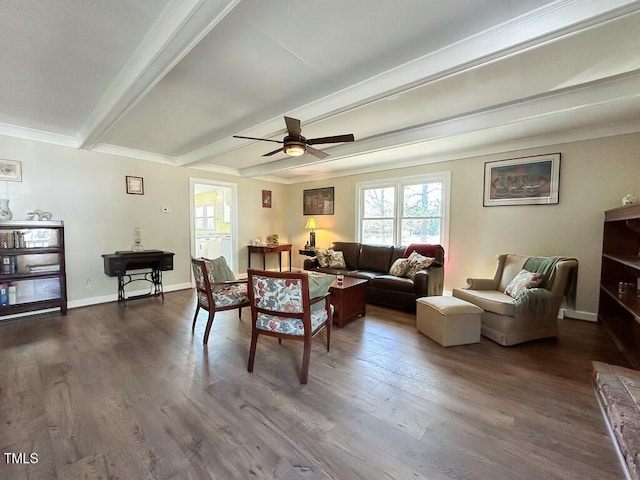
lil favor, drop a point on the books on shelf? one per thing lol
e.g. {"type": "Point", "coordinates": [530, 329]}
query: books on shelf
{"type": "Point", "coordinates": [8, 265]}
{"type": "Point", "coordinates": [12, 239]}
{"type": "Point", "coordinates": [50, 267]}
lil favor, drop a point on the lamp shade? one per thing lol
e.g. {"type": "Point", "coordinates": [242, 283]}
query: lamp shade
{"type": "Point", "coordinates": [312, 223]}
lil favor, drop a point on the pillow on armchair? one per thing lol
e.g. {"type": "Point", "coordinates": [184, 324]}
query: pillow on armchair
{"type": "Point", "coordinates": [523, 280]}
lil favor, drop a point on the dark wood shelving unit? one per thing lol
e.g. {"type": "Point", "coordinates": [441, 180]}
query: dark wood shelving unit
{"type": "Point", "coordinates": [620, 312]}
{"type": "Point", "coordinates": [37, 270]}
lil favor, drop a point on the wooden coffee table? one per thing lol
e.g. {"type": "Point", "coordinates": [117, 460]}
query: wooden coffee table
{"type": "Point", "coordinates": [348, 299]}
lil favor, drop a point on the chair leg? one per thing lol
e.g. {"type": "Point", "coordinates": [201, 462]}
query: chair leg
{"type": "Point", "coordinates": [252, 350]}
{"type": "Point", "coordinates": [212, 314]}
{"type": "Point", "coordinates": [329, 322]}
{"type": "Point", "coordinates": [306, 355]}
{"type": "Point", "coordinates": [193, 326]}
{"type": "Point", "coordinates": [240, 313]}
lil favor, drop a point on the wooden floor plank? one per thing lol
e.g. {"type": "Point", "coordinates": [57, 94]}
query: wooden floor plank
{"type": "Point", "coordinates": [113, 392]}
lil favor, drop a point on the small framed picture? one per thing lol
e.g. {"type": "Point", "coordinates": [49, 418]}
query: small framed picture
{"type": "Point", "coordinates": [266, 198]}
{"type": "Point", "coordinates": [10, 170]}
{"type": "Point", "coordinates": [135, 185]}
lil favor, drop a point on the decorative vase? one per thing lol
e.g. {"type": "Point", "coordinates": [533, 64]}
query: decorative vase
{"type": "Point", "coordinates": [137, 240]}
{"type": "Point", "coordinates": [5, 213]}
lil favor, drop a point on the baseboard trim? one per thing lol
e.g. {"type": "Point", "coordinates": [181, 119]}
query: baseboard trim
{"type": "Point", "coordinates": [85, 302]}
{"type": "Point", "coordinates": [578, 315]}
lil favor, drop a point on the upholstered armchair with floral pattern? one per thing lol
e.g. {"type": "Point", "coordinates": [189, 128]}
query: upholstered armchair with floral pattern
{"type": "Point", "coordinates": [282, 307]}
{"type": "Point", "coordinates": [215, 295]}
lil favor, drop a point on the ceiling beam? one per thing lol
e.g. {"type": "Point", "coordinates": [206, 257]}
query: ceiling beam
{"type": "Point", "coordinates": [180, 27]}
{"type": "Point", "coordinates": [538, 27]}
{"type": "Point", "coordinates": [618, 89]}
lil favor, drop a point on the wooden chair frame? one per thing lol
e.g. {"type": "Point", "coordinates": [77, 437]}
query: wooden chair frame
{"type": "Point", "coordinates": [305, 316]}
{"type": "Point", "coordinates": [199, 263]}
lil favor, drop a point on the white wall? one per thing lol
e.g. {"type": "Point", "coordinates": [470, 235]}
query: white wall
{"type": "Point", "coordinates": [594, 176]}
{"type": "Point", "coordinates": [87, 191]}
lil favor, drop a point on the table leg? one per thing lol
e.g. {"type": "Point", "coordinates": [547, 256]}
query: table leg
{"type": "Point", "coordinates": [264, 261]}
{"type": "Point", "coordinates": [248, 259]}
{"type": "Point", "coordinates": [289, 260]}
{"type": "Point", "coordinates": [280, 260]}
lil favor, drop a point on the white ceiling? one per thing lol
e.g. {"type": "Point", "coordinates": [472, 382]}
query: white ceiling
{"type": "Point", "coordinates": [416, 81]}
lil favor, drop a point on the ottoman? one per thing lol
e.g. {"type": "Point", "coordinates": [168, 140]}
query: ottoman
{"type": "Point", "coordinates": [448, 320]}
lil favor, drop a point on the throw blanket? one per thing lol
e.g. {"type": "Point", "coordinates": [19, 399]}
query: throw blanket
{"type": "Point", "coordinates": [537, 300]}
{"type": "Point", "coordinates": [547, 266]}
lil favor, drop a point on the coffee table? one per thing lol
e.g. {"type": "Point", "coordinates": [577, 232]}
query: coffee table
{"type": "Point", "coordinates": [348, 299]}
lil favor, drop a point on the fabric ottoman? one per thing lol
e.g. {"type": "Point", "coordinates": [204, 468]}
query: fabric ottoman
{"type": "Point", "coordinates": [448, 320]}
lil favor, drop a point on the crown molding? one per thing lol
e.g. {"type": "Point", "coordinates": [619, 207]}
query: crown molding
{"type": "Point", "coordinates": [133, 153]}
{"type": "Point", "coordinates": [37, 135]}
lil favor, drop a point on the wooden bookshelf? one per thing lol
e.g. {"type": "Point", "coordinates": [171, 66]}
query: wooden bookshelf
{"type": "Point", "coordinates": [32, 266]}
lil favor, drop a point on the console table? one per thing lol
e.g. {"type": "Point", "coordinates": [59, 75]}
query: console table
{"type": "Point", "coordinates": [264, 249]}
{"type": "Point", "coordinates": [121, 263]}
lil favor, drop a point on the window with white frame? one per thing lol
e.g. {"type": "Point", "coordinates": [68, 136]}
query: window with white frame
{"type": "Point", "coordinates": [404, 210]}
{"type": "Point", "coordinates": [204, 215]}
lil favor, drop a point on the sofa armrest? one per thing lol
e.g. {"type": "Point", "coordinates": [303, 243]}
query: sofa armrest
{"type": "Point", "coordinates": [429, 283]}
{"type": "Point", "coordinates": [310, 263]}
{"type": "Point", "coordinates": [482, 284]}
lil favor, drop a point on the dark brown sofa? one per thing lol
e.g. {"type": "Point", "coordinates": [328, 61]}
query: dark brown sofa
{"type": "Point", "coordinates": [372, 262]}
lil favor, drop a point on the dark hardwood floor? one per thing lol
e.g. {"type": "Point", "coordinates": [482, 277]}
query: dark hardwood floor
{"type": "Point", "coordinates": [128, 393]}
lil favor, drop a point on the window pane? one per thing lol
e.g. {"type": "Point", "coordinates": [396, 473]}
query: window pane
{"type": "Point", "coordinates": [199, 222]}
{"type": "Point", "coordinates": [210, 225]}
{"type": "Point", "coordinates": [377, 232]}
{"type": "Point", "coordinates": [209, 211]}
{"type": "Point", "coordinates": [379, 202]}
{"type": "Point", "coordinates": [424, 200]}
{"type": "Point", "coordinates": [421, 231]}
{"type": "Point", "coordinates": [199, 212]}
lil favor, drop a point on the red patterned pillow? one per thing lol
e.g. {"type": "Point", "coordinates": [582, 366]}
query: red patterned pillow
{"type": "Point", "coordinates": [523, 280]}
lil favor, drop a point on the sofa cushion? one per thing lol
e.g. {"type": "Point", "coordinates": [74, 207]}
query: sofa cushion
{"type": "Point", "coordinates": [323, 255]}
{"type": "Point", "coordinates": [392, 283]}
{"type": "Point", "coordinates": [336, 260]}
{"type": "Point", "coordinates": [417, 262]}
{"type": "Point", "coordinates": [488, 300]}
{"type": "Point", "coordinates": [375, 258]}
{"type": "Point", "coordinates": [523, 280]}
{"type": "Point", "coordinates": [399, 267]}
{"type": "Point", "coordinates": [363, 274]}
{"type": "Point", "coordinates": [350, 251]}
{"type": "Point", "coordinates": [428, 250]}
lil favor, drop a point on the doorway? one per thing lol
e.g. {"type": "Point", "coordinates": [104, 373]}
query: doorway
{"type": "Point", "coordinates": [214, 229]}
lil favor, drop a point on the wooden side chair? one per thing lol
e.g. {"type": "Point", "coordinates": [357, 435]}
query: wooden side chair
{"type": "Point", "coordinates": [281, 307]}
{"type": "Point", "coordinates": [215, 296]}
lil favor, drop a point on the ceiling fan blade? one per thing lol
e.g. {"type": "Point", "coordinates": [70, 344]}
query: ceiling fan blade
{"type": "Point", "coordinates": [334, 139]}
{"type": "Point", "coordinates": [273, 153]}
{"type": "Point", "coordinates": [317, 153]}
{"type": "Point", "coordinates": [293, 126]}
{"type": "Point", "coordinates": [254, 138]}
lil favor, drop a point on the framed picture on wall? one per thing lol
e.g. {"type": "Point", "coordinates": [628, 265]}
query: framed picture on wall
{"type": "Point", "coordinates": [135, 185]}
{"type": "Point", "coordinates": [522, 181]}
{"type": "Point", "coordinates": [318, 201]}
{"type": "Point", "coordinates": [10, 170]}
{"type": "Point", "coordinates": [266, 198]}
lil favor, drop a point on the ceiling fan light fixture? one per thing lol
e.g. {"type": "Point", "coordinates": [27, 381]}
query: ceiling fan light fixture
{"type": "Point", "coordinates": [295, 149]}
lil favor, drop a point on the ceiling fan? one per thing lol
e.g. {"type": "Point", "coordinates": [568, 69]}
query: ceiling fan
{"type": "Point", "coordinates": [294, 144]}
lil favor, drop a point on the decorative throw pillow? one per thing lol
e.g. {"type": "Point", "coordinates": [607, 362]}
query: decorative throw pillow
{"type": "Point", "coordinates": [417, 262]}
{"type": "Point", "coordinates": [323, 256]}
{"type": "Point", "coordinates": [319, 284]}
{"type": "Point", "coordinates": [522, 280]}
{"type": "Point", "coordinates": [336, 260]}
{"type": "Point", "coordinates": [218, 270]}
{"type": "Point", "coordinates": [399, 267]}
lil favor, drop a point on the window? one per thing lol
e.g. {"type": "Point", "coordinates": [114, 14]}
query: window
{"type": "Point", "coordinates": [205, 217]}
{"type": "Point", "coordinates": [404, 210]}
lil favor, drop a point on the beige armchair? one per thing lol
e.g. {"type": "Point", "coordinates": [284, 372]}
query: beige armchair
{"type": "Point", "coordinates": [531, 315]}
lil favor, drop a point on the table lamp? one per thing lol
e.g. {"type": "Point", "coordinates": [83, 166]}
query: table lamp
{"type": "Point", "coordinates": [312, 224]}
